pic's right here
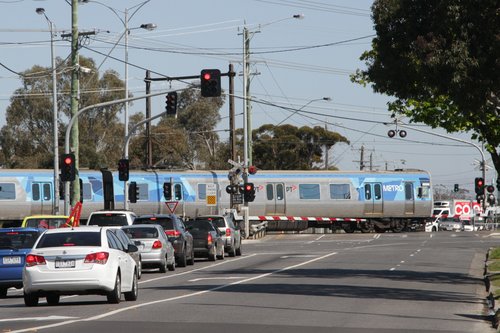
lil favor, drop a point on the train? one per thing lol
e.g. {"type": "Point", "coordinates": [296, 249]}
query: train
{"type": "Point", "coordinates": [285, 200]}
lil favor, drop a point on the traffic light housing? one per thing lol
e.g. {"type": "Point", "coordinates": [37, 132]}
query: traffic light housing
{"type": "Point", "coordinates": [68, 167]}
{"type": "Point", "coordinates": [210, 83]}
{"type": "Point", "coordinates": [490, 188]}
{"type": "Point", "coordinates": [479, 185]}
{"type": "Point", "coordinates": [123, 169]}
{"type": "Point", "coordinates": [133, 192]}
{"type": "Point", "coordinates": [456, 189]}
{"type": "Point", "coordinates": [248, 192]}
{"type": "Point", "coordinates": [171, 103]}
{"type": "Point", "coordinates": [232, 189]}
{"type": "Point", "coordinates": [167, 191]}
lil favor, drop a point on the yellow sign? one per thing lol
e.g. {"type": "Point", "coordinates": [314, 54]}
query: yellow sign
{"type": "Point", "coordinates": [211, 194]}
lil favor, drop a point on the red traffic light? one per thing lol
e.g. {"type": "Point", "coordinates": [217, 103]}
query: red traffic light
{"type": "Point", "coordinates": [207, 76]}
{"type": "Point", "coordinates": [68, 160]}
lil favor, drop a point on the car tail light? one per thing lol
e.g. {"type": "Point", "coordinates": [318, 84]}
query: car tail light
{"type": "Point", "coordinates": [174, 233]}
{"type": "Point", "coordinates": [97, 258]}
{"type": "Point", "coordinates": [157, 244]}
{"type": "Point", "coordinates": [33, 260]}
{"type": "Point", "coordinates": [209, 239]}
{"type": "Point", "coordinates": [228, 232]}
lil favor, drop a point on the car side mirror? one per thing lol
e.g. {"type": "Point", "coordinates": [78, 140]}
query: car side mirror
{"type": "Point", "coordinates": [132, 248]}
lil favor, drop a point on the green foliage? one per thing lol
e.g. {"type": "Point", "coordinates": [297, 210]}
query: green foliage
{"type": "Point", "coordinates": [287, 147]}
{"type": "Point", "coordinates": [494, 253]}
{"type": "Point", "coordinates": [440, 60]}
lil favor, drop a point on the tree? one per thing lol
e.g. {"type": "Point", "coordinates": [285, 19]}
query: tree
{"type": "Point", "coordinates": [287, 147]}
{"type": "Point", "coordinates": [26, 139]}
{"type": "Point", "coordinates": [439, 59]}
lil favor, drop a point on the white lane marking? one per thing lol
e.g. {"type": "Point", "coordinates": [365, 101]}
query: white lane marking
{"type": "Point", "coordinates": [217, 278]}
{"type": "Point", "coordinates": [377, 236]}
{"type": "Point", "coordinates": [37, 318]}
{"type": "Point", "coordinates": [134, 307]}
{"type": "Point", "coordinates": [317, 239]}
{"type": "Point", "coordinates": [300, 256]}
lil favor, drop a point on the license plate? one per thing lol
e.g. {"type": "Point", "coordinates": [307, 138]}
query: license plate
{"type": "Point", "coordinates": [11, 260]}
{"type": "Point", "coordinates": [65, 263]}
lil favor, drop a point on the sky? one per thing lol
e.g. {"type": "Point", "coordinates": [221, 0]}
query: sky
{"type": "Point", "coordinates": [296, 63]}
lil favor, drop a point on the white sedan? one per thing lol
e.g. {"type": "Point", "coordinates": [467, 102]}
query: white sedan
{"type": "Point", "coordinates": [79, 261]}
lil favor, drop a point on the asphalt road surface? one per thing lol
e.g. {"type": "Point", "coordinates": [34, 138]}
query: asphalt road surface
{"type": "Point", "coordinates": [408, 282]}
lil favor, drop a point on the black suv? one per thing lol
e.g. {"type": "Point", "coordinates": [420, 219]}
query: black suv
{"type": "Point", "coordinates": [177, 234]}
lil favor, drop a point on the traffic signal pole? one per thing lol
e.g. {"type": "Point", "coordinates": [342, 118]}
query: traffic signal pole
{"type": "Point", "coordinates": [483, 161]}
{"type": "Point", "coordinates": [73, 120]}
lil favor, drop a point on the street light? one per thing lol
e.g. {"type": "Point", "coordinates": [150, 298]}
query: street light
{"type": "Point", "coordinates": [55, 210]}
{"type": "Point", "coordinates": [146, 26]}
{"type": "Point", "coordinates": [302, 107]}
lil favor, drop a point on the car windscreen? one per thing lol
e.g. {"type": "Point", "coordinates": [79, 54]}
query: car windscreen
{"type": "Point", "coordinates": [84, 238]}
{"type": "Point", "coordinates": [143, 232]}
{"type": "Point", "coordinates": [165, 222]}
{"type": "Point", "coordinates": [216, 221]}
{"type": "Point", "coordinates": [18, 239]}
{"type": "Point", "coordinates": [199, 225]}
{"type": "Point", "coordinates": [47, 223]}
{"type": "Point", "coordinates": [105, 220]}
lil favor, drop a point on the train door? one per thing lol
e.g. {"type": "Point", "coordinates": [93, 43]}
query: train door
{"type": "Point", "coordinates": [41, 198]}
{"type": "Point", "coordinates": [374, 202]}
{"type": "Point", "coordinates": [409, 199]}
{"type": "Point", "coordinates": [275, 199]}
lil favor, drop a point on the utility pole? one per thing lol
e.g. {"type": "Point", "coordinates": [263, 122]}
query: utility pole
{"type": "Point", "coordinates": [232, 137]}
{"type": "Point", "coordinates": [149, 146]}
{"type": "Point", "coordinates": [75, 87]}
{"type": "Point", "coordinates": [247, 107]}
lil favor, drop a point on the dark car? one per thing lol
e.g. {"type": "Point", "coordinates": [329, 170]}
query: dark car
{"type": "Point", "coordinates": [231, 234]}
{"type": "Point", "coordinates": [177, 234]}
{"type": "Point", "coordinates": [208, 242]}
{"type": "Point", "coordinates": [15, 244]}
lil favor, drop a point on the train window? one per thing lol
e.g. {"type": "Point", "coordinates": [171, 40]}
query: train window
{"type": "Point", "coordinates": [408, 191]}
{"type": "Point", "coordinates": [35, 192]}
{"type": "Point", "coordinates": [279, 192]}
{"type": "Point", "coordinates": [47, 192]}
{"type": "Point", "coordinates": [87, 191]}
{"type": "Point", "coordinates": [340, 191]}
{"type": "Point", "coordinates": [7, 191]}
{"type": "Point", "coordinates": [269, 192]}
{"type": "Point", "coordinates": [368, 192]}
{"type": "Point", "coordinates": [309, 191]}
{"type": "Point", "coordinates": [202, 191]}
{"type": "Point", "coordinates": [378, 191]}
{"type": "Point", "coordinates": [177, 192]}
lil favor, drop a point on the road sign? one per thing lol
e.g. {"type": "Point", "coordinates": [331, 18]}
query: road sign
{"type": "Point", "coordinates": [211, 194]}
{"type": "Point", "coordinates": [172, 205]}
{"type": "Point", "coordinates": [237, 198]}
{"type": "Point", "coordinates": [236, 164]}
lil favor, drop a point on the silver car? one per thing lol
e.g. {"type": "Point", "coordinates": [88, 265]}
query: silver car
{"type": "Point", "coordinates": [155, 248]}
{"type": "Point", "coordinates": [450, 224]}
{"type": "Point", "coordinates": [231, 234]}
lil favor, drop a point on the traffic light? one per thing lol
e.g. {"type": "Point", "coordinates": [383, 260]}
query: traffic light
{"type": "Point", "coordinates": [171, 103]}
{"type": "Point", "coordinates": [68, 167]}
{"type": "Point", "coordinates": [479, 185]}
{"type": "Point", "coordinates": [248, 192]}
{"type": "Point", "coordinates": [210, 83]}
{"type": "Point", "coordinates": [490, 188]}
{"type": "Point", "coordinates": [133, 192]}
{"type": "Point", "coordinates": [456, 189]}
{"type": "Point", "coordinates": [232, 189]}
{"type": "Point", "coordinates": [123, 169]}
{"type": "Point", "coordinates": [167, 191]}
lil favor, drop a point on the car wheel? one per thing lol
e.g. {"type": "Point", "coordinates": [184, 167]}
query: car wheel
{"type": "Point", "coordinates": [139, 269]}
{"type": "Point", "coordinates": [53, 299]}
{"type": "Point", "coordinates": [171, 266]}
{"type": "Point", "coordinates": [221, 255]}
{"type": "Point", "coordinates": [232, 251]}
{"type": "Point", "coordinates": [212, 256]}
{"type": "Point", "coordinates": [132, 294]}
{"type": "Point", "coordinates": [163, 266]}
{"type": "Point", "coordinates": [30, 299]}
{"type": "Point", "coordinates": [182, 258]}
{"type": "Point", "coordinates": [3, 292]}
{"type": "Point", "coordinates": [115, 294]}
{"type": "Point", "coordinates": [238, 250]}
{"type": "Point", "coordinates": [191, 258]}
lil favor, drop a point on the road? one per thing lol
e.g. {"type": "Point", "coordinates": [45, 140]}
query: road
{"type": "Point", "coordinates": [411, 282]}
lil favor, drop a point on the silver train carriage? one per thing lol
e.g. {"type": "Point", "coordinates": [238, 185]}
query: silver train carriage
{"type": "Point", "coordinates": [287, 200]}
